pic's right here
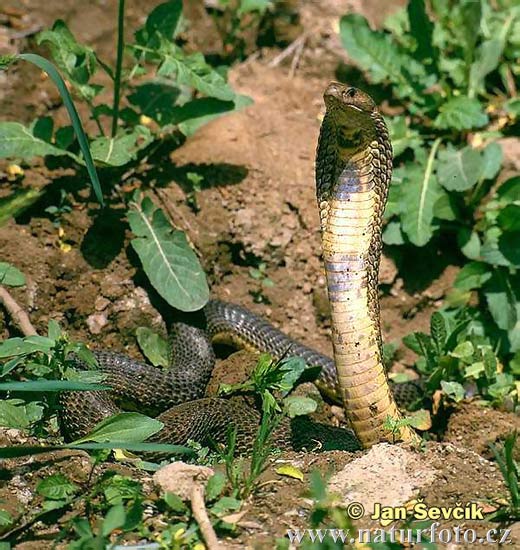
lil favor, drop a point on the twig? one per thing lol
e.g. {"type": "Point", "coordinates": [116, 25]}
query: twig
{"type": "Point", "coordinates": [17, 313]}
{"type": "Point", "coordinates": [297, 56]}
{"type": "Point", "coordinates": [291, 48]}
{"type": "Point", "coordinates": [201, 517]}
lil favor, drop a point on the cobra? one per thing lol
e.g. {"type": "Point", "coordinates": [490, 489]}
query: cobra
{"type": "Point", "coordinates": [353, 171]}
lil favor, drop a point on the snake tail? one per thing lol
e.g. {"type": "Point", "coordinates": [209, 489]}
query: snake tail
{"type": "Point", "coordinates": [353, 172]}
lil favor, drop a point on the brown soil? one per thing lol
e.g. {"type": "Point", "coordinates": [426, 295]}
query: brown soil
{"type": "Point", "coordinates": [257, 204]}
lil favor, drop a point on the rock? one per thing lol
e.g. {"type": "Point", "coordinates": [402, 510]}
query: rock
{"type": "Point", "coordinates": [96, 322]}
{"type": "Point", "coordinates": [179, 478]}
{"type": "Point", "coordinates": [389, 470]}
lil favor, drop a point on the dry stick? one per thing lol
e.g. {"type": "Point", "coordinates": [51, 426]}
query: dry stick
{"type": "Point", "coordinates": [17, 313]}
{"type": "Point", "coordinates": [200, 514]}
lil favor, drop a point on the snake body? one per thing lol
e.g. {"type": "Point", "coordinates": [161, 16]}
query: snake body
{"type": "Point", "coordinates": [353, 169]}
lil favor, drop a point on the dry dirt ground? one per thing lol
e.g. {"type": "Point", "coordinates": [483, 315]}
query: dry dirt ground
{"type": "Point", "coordinates": [257, 205]}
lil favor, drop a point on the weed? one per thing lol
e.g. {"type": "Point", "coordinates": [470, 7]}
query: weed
{"type": "Point", "coordinates": [510, 469]}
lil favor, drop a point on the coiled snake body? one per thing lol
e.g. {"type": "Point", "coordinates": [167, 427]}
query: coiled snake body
{"type": "Point", "coordinates": [353, 169]}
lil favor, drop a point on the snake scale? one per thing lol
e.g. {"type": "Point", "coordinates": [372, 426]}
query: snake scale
{"type": "Point", "coordinates": [353, 171]}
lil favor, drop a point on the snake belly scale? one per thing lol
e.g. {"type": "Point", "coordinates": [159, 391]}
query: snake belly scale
{"type": "Point", "coordinates": [353, 169]}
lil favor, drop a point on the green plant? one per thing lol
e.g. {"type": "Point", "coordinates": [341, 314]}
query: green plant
{"type": "Point", "coordinates": [260, 274]}
{"type": "Point", "coordinates": [510, 469]}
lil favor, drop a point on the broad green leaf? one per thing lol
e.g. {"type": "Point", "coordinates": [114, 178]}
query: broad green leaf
{"type": "Point", "coordinates": [13, 416]}
{"type": "Point", "coordinates": [17, 141]}
{"type": "Point", "coordinates": [491, 161]}
{"type": "Point", "coordinates": [392, 234]}
{"type": "Point", "coordinates": [77, 61]}
{"type": "Point", "coordinates": [501, 300]}
{"type": "Point", "coordinates": [126, 426]}
{"type": "Point", "coordinates": [162, 22]}
{"type": "Point", "coordinates": [438, 330]}
{"type": "Point", "coordinates": [375, 52]}
{"type": "Point", "coordinates": [463, 350]}
{"type": "Point", "coordinates": [21, 346]}
{"type": "Point", "coordinates": [193, 71]}
{"type": "Point", "coordinates": [503, 385]}
{"type": "Point", "coordinates": [215, 485]}
{"type": "Point", "coordinates": [461, 113]}
{"type": "Point", "coordinates": [459, 170]}
{"type": "Point", "coordinates": [509, 191]}
{"type": "Point", "coordinates": [168, 260]}
{"type": "Point", "coordinates": [508, 247]}
{"type": "Point", "coordinates": [453, 390]}
{"type": "Point", "coordinates": [115, 518]}
{"type": "Point", "coordinates": [401, 135]}
{"type": "Point", "coordinates": [419, 195]}
{"type": "Point", "coordinates": [10, 275]}
{"type": "Point", "coordinates": [508, 219]}
{"type": "Point", "coordinates": [296, 405]}
{"type": "Point", "coordinates": [225, 505]}
{"type": "Point", "coordinates": [248, 6]}
{"type": "Point", "coordinates": [175, 502]}
{"type": "Point", "coordinates": [154, 346]}
{"type": "Point", "coordinates": [486, 60]}
{"type": "Point", "coordinates": [121, 149]}
{"type": "Point", "coordinates": [445, 207]}
{"type": "Point", "coordinates": [56, 487]}
{"type": "Point", "coordinates": [469, 243]}
{"type": "Point", "coordinates": [51, 386]}
{"type": "Point", "coordinates": [473, 275]}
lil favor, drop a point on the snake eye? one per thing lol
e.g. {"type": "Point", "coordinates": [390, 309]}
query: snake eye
{"type": "Point", "coordinates": [351, 92]}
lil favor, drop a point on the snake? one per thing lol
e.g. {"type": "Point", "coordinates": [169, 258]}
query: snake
{"type": "Point", "coordinates": [353, 172]}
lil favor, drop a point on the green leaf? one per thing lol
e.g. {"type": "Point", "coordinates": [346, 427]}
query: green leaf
{"type": "Point", "coordinates": [5, 520]}
{"type": "Point", "coordinates": [169, 262]}
{"type": "Point", "coordinates": [486, 60]}
{"type": "Point", "coordinates": [501, 300]}
{"type": "Point", "coordinates": [464, 350]}
{"type": "Point", "coordinates": [77, 61]}
{"type": "Point", "coordinates": [121, 149]}
{"type": "Point", "coordinates": [473, 275]}
{"type": "Point", "coordinates": [461, 113]}
{"type": "Point", "coordinates": [215, 485]}
{"type": "Point", "coordinates": [491, 161]}
{"type": "Point", "coordinates": [453, 390]}
{"type": "Point", "coordinates": [17, 141]}
{"type": "Point", "coordinates": [161, 23]}
{"type": "Point", "coordinates": [248, 6]}
{"type": "Point", "coordinates": [23, 346]}
{"type": "Point", "coordinates": [508, 247]}
{"type": "Point", "coordinates": [175, 502]}
{"type": "Point", "coordinates": [459, 170]}
{"type": "Point", "coordinates": [392, 234]}
{"type": "Point", "coordinates": [154, 346]}
{"type": "Point", "coordinates": [193, 71]}
{"type": "Point", "coordinates": [225, 505]}
{"type": "Point", "coordinates": [508, 218]}
{"type": "Point", "coordinates": [401, 135]}
{"type": "Point", "coordinates": [115, 518]}
{"type": "Point", "coordinates": [419, 195]}
{"type": "Point", "coordinates": [296, 405]}
{"type": "Point", "coordinates": [438, 330]}
{"type": "Point", "coordinates": [13, 415]}
{"type": "Point", "coordinates": [376, 53]}
{"type": "Point", "coordinates": [56, 487]}
{"type": "Point", "coordinates": [469, 243]}
{"type": "Point", "coordinates": [18, 202]}
{"type": "Point", "coordinates": [10, 275]}
{"type": "Point", "coordinates": [125, 426]}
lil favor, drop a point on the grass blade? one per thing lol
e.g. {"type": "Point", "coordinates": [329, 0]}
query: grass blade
{"type": "Point", "coordinates": [51, 70]}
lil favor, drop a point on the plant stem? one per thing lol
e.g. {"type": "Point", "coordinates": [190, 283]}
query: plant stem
{"type": "Point", "coordinates": [119, 64]}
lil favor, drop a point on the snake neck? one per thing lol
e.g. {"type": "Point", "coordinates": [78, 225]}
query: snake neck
{"type": "Point", "coordinates": [353, 172]}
